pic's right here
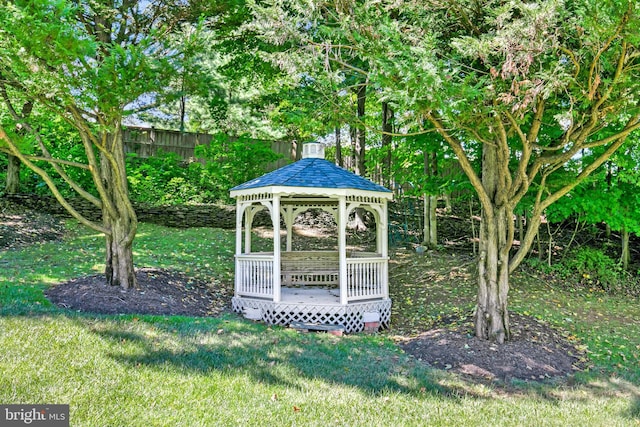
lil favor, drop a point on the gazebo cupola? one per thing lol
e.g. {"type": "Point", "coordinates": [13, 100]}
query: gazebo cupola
{"type": "Point", "coordinates": [341, 286]}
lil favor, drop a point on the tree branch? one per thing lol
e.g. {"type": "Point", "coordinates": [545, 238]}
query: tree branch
{"type": "Point", "coordinates": [456, 146]}
{"type": "Point", "coordinates": [47, 155]}
{"type": "Point", "coordinates": [540, 205]}
{"type": "Point", "coordinates": [47, 179]}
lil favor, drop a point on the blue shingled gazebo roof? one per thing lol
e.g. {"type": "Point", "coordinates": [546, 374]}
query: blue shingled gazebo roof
{"type": "Point", "coordinates": [312, 173]}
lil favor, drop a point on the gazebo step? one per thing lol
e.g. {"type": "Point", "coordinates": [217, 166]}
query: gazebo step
{"type": "Point", "coordinates": [337, 330]}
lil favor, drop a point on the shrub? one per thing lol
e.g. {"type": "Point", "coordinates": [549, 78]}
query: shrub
{"type": "Point", "coordinates": [232, 161]}
{"type": "Point", "coordinates": [592, 267]}
{"type": "Point", "coordinates": [166, 179]}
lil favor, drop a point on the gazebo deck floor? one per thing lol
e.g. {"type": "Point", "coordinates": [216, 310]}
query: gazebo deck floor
{"type": "Point", "coordinates": [310, 296]}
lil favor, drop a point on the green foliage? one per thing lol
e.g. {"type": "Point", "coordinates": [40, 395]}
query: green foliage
{"type": "Point", "coordinates": [165, 179]}
{"type": "Point", "coordinates": [298, 112]}
{"type": "Point", "coordinates": [526, 77]}
{"type": "Point", "coordinates": [63, 143]}
{"type": "Point", "coordinates": [89, 64]}
{"type": "Point", "coordinates": [232, 161]}
{"type": "Point", "coordinates": [60, 60]}
{"type": "Point", "coordinates": [227, 86]}
{"type": "Point", "coordinates": [610, 195]}
{"type": "Point", "coordinates": [408, 165]}
{"type": "Point", "coordinates": [3, 171]}
{"type": "Point", "coordinates": [592, 268]}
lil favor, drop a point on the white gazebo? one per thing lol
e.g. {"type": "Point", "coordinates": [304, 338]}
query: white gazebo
{"type": "Point", "coordinates": [344, 287]}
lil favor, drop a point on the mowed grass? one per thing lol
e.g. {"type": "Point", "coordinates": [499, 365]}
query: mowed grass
{"type": "Point", "coordinates": [180, 371]}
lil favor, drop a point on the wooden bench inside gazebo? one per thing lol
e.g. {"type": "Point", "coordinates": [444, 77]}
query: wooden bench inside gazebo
{"type": "Point", "coordinates": [336, 287]}
{"type": "Point", "coordinates": [310, 269]}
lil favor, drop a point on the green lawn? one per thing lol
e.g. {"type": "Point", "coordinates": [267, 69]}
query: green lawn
{"type": "Point", "coordinates": [178, 371]}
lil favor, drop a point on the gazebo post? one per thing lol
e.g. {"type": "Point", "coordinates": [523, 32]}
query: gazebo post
{"type": "Point", "coordinates": [239, 215]}
{"type": "Point", "coordinates": [239, 212]}
{"type": "Point", "coordinates": [342, 249]}
{"type": "Point", "coordinates": [384, 246]}
{"type": "Point", "coordinates": [248, 220]}
{"type": "Point", "coordinates": [288, 220]}
{"type": "Point", "coordinates": [275, 216]}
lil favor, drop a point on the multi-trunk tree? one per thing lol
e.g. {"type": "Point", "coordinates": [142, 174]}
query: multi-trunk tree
{"type": "Point", "coordinates": [90, 63]}
{"type": "Point", "coordinates": [527, 87]}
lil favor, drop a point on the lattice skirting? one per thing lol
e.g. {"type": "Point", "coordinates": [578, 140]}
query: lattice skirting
{"type": "Point", "coordinates": [349, 316]}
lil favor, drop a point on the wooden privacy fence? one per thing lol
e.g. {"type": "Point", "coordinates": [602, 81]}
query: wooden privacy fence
{"type": "Point", "coordinates": [147, 142]}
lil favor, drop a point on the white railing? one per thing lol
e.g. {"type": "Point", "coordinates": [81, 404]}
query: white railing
{"type": "Point", "coordinates": [366, 278]}
{"type": "Point", "coordinates": [254, 275]}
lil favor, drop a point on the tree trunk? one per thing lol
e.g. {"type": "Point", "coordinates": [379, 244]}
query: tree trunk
{"type": "Point", "coordinates": [492, 317]}
{"type": "Point", "coordinates": [496, 239]}
{"type": "Point", "coordinates": [431, 202]}
{"type": "Point", "coordinates": [473, 226]}
{"type": "Point", "coordinates": [539, 243]}
{"type": "Point", "coordinates": [430, 221]}
{"type": "Point", "coordinates": [299, 144]}
{"type": "Point", "coordinates": [625, 257]}
{"type": "Point", "coordinates": [339, 161]}
{"type": "Point", "coordinates": [520, 221]}
{"type": "Point", "coordinates": [353, 136]}
{"type": "Point", "coordinates": [387, 140]}
{"type": "Point", "coordinates": [360, 152]}
{"type": "Point", "coordinates": [118, 215]}
{"type": "Point", "coordinates": [13, 175]}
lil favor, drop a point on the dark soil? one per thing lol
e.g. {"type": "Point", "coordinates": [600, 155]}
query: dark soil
{"type": "Point", "coordinates": [160, 292]}
{"type": "Point", "coordinates": [535, 353]}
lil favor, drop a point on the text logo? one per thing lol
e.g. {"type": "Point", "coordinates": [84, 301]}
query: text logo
{"type": "Point", "coordinates": [34, 415]}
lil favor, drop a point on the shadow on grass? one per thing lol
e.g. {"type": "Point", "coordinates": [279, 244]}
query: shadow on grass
{"type": "Point", "coordinates": [634, 409]}
{"type": "Point", "coordinates": [272, 355]}
{"type": "Point", "coordinates": [234, 347]}
{"type": "Point", "coordinates": [625, 389]}
{"type": "Point", "coordinates": [599, 386]}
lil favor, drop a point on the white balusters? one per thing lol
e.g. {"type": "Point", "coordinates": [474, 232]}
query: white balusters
{"type": "Point", "coordinates": [365, 276]}
{"type": "Point", "coordinates": [255, 275]}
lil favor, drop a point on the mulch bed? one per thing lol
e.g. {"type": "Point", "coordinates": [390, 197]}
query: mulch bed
{"type": "Point", "coordinates": [536, 352]}
{"type": "Point", "coordinates": [160, 292]}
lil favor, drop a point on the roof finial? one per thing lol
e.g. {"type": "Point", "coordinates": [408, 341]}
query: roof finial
{"type": "Point", "coordinates": [313, 150]}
